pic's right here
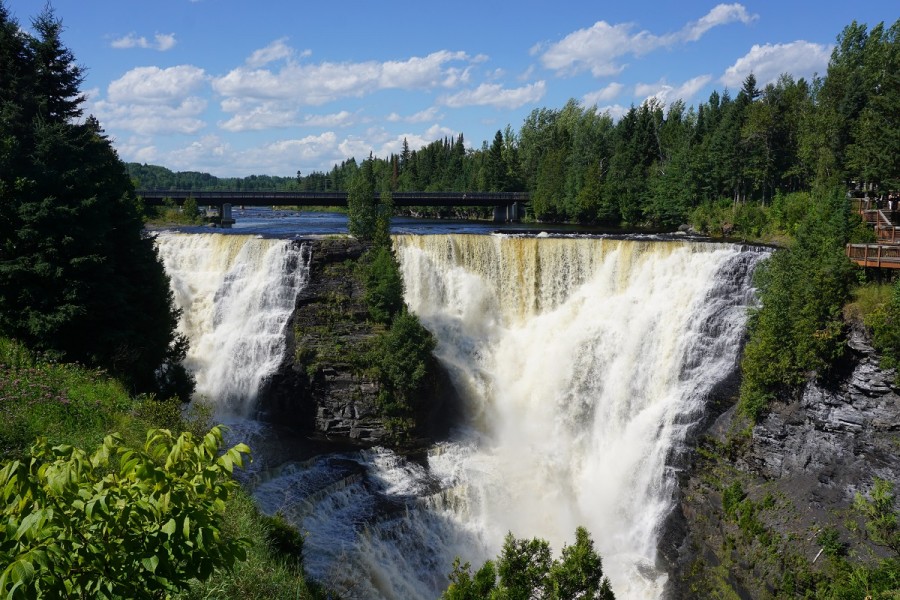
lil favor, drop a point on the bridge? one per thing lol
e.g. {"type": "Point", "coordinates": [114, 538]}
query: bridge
{"type": "Point", "coordinates": [508, 206]}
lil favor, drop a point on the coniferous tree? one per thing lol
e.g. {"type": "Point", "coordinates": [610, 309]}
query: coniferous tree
{"type": "Point", "coordinates": [79, 278]}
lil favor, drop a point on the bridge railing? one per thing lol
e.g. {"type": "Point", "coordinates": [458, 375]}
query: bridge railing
{"type": "Point", "coordinates": [306, 198]}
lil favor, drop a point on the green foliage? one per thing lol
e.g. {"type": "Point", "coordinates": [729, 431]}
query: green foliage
{"type": "Point", "coordinates": [525, 569]}
{"type": "Point", "coordinates": [271, 570]}
{"type": "Point", "coordinates": [368, 215]}
{"type": "Point", "coordinates": [884, 323]}
{"type": "Point", "coordinates": [118, 522]}
{"type": "Point", "coordinates": [383, 283]}
{"type": "Point", "coordinates": [80, 279]}
{"type": "Point", "coordinates": [880, 512]}
{"type": "Point", "coordinates": [732, 497]}
{"type": "Point", "coordinates": [64, 401]}
{"type": "Point", "coordinates": [830, 541]}
{"type": "Point", "coordinates": [799, 329]}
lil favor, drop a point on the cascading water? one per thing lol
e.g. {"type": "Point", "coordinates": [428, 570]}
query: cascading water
{"type": "Point", "coordinates": [584, 363]}
{"type": "Point", "coordinates": [236, 294]}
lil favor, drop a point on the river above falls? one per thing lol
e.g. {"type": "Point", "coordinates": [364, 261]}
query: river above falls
{"type": "Point", "coordinates": [273, 222]}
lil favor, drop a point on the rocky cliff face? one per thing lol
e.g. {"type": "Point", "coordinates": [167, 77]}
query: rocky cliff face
{"type": "Point", "coordinates": [754, 504]}
{"type": "Point", "coordinates": [322, 387]}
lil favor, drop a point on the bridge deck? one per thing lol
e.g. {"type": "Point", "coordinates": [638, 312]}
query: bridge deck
{"type": "Point", "coordinates": [486, 199]}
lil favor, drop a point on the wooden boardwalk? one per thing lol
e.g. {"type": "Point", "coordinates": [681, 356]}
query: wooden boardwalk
{"type": "Point", "coordinates": [885, 253]}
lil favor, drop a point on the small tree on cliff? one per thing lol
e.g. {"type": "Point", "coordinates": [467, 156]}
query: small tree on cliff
{"type": "Point", "coordinates": [79, 278]}
{"type": "Point", "coordinates": [369, 217]}
{"type": "Point", "coordinates": [525, 569]}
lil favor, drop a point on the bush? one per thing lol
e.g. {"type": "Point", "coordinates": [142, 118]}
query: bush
{"type": "Point", "coordinates": [119, 522]}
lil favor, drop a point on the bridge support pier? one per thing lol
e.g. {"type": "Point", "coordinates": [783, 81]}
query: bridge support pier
{"type": "Point", "coordinates": [227, 220]}
{"type": "Point", "coordinates": [508, 213]}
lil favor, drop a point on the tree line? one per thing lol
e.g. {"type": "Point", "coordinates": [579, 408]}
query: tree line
{"type": "Point", "coordinates": [656, 165]}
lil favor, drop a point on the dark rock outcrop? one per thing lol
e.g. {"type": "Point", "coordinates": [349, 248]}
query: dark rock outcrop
{"type": "Point", "coordinates": [801, 467]}
{"type": "Point", "coordinates": [320, 386]}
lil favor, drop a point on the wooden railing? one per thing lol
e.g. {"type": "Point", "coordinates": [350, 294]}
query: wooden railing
{"type": "Point", "coordinates": [875, 255]}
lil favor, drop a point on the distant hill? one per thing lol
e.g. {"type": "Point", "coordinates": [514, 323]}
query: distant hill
{"type": "Point", "coordinates": [160, 178]}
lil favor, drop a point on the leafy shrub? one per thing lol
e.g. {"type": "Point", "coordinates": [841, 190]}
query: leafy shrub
{"type": "Point", "coordinates": [884, 323]}
{"type": "Point", "coordinates": [119, 522]}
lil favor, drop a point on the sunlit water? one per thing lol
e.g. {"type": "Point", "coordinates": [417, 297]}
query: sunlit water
{"type": "Point", "coordinates": [584, 362]}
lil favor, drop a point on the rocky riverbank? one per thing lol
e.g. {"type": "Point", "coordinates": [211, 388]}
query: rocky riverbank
{"type": "Point", "coordinates": [761, 510]}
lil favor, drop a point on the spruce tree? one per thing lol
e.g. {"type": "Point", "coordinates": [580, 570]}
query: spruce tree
{"type": "Point", "coordinates": [79, 277]}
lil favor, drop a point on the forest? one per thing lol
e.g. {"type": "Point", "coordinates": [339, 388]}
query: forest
{"type": "Point", "coordinates": [657, 165]}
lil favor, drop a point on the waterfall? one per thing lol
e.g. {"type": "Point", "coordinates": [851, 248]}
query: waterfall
{"type": "Point", "coordinates": [585, 362]}
{"type": "Point", "coordinates": [236, 294]}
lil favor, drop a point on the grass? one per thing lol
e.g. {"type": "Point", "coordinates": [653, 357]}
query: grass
{"type": "Point", "coordinates": [70, 404]}
{"type": "Point", "coordinates": [268, 572]}
{"type": "Point", "coordinates": [866, 300]}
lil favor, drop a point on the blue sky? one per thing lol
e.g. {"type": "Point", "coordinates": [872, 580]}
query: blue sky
{"type": "Point", "coordinates": [241, 87]}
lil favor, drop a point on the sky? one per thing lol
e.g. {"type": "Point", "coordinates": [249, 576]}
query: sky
{"type": "Point", "coordinates": [242, 87]}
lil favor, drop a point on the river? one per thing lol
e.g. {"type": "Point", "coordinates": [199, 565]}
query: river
{"type": "Point", "coordinates": [584, 359]}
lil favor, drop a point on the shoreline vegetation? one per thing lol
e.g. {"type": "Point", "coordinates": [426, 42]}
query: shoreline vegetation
{"type": "Point", "coordinates": [91, 385]}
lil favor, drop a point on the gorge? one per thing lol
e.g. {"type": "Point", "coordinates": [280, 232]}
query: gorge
{"type": "Point", "coordinates": [583, 363]}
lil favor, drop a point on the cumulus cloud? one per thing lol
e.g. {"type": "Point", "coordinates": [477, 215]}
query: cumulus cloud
{"type": "Point", "coordinates": [153, 118]}
{"type": "Point", "coordinates": [665, 92]}
{"type": "Point", "coordinates": [600, 47]}
{"type": "Point", "coordinates": [277, 50]}
{"type": "Point", "coordinates": [604, 95]}
{"type": "Point", "coordinates": [615, 111]}
{"type": "Point", "coordinates": [152, 85]}
{"type": "Point", "coordinates": [769, 61]}
{"type": "Point", "coordinates": [493, 94]}
{"type": "Point", "coordinates": [315, 84]}
{"type": "Point", "coordinates": [264, 116]}
{"type": "Point", "coordinates": [161, 42]}
{"type": "Point", "coordinates": [423, 116]}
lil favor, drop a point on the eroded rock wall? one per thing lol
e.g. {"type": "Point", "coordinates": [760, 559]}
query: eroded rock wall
{"type": "Point", "coordinates": [752, 508]}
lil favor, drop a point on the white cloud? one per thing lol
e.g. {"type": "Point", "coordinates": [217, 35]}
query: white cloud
{"type": "Point", "coordinates": [161, 42]}
{"type": "Point", "coordinates": [666, 93]}
{"type": "Point", "coordinates": [769, 61]}
{"type": "Point", "coordinates": [339, 119]}
{"type": "Point", "coordinates": [152, 85]}
{"type": "Point", "coordinates": [277, 50]}
{"type": "Point", "coordinates": [719, 15]}
{"type": "Point", "coordinates": [600, 47]}
{"type": "Point", "coordinates": [423, 116]}
{"type": "Point", "coordinates": [306, 84]}
{"type": "Point", "coordinates": [153, 118]}
{"type": "Point", "coordinates": [604, 95]}
{"type": "Point", "coordinates": [492, 94]}
{"type": "Point", "coordinates": [615, 111]}
{"type": "Point", "coordinates": [264, 116]}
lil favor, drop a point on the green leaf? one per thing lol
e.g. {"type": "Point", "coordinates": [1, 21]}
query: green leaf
{"type": "Point", "coordinates": [151, 563]}
{"type": "Point", "coordinates": [169, 527]}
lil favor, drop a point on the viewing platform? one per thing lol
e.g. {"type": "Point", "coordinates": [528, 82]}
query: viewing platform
{"type": "Point", "coordinates": [883, 217]}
